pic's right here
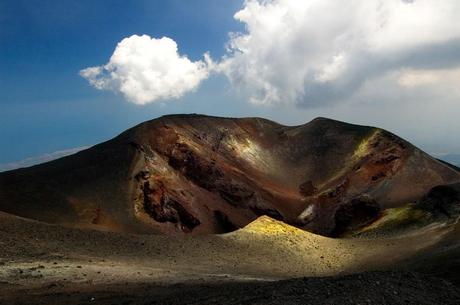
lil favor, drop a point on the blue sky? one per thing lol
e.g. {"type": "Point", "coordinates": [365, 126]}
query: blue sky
{"type": "Point", "coordinates": [284, 69]}
{"type": "Point", "coordinates": [45, 105]}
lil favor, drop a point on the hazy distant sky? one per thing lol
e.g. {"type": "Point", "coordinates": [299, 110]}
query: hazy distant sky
{"type": "Point", "coordinates": [75, 73]}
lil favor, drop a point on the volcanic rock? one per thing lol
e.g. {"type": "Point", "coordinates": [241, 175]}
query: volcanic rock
{"type": "Point", "coordinates": [197, 174]}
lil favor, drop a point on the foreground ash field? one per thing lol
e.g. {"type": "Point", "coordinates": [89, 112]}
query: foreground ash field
{"type": "Point", "coordinates": [191, 209]}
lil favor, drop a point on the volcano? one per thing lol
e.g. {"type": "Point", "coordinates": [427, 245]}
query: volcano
{"type": "Point", "coordinates": [196, 174]}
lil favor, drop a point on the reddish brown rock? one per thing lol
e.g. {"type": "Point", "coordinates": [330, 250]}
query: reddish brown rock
{"type": "Point", "coordinates": [196, 174]}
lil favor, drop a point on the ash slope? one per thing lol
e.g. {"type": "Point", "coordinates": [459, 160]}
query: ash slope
{"type": "Point", "coordinates": [198, 174]}
{"type": "Point", "coordinates": [50, 264]}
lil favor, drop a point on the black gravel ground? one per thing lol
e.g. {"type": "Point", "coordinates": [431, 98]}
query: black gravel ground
{"type": "Point", "coordinates": [390, 288]}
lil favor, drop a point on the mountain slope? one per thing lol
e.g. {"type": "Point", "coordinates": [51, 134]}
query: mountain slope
{"type": "Point", "coordinates": [199, 174]}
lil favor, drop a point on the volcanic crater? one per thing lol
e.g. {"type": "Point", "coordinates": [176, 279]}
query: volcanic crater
{"type": "Point", "coordinates": [195, 174]}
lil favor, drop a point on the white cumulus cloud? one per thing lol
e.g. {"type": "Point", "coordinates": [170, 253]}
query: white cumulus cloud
{"type": "Point", "coordinates": [312, 52]}
{"type": "Point", "coordinates": [147, 70]}
{"type": "Point", "coordinates": [298, 52]}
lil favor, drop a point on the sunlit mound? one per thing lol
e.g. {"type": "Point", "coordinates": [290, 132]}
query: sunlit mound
{"type": "Point", "coordinates": [269, 226]}
{"type": "Point", "coordinates": [293, 251]}
{"type": "Point", "coordinates": [194, 174]}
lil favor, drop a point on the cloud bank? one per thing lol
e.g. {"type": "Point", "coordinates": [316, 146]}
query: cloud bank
{"type": "Point", "coordinates": [315, 52]}
{"type": "Point", "coordinates": [146, 70]}
{"type": "Point", "coordinates": [40, 159]}
{"type": "Point", "coordinates": [307, 53]}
